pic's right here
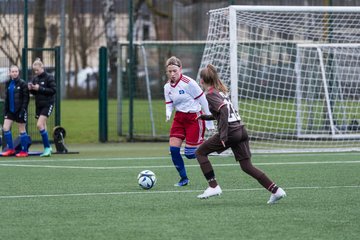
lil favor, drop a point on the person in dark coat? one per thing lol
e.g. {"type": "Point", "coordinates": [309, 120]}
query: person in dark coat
{"type": "Point", "coordinates": [15, 110]}
{"type": "Point", "coordinates": [43, 87]}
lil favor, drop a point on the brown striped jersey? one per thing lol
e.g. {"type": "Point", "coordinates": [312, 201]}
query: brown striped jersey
{"type": "Point", "coordinates": [223, 110]}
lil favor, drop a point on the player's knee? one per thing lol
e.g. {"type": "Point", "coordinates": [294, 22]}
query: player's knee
{"type": "Point", "coordinates": [6, 132]}
{"type": "Point", "coordinates": [198, 152]}
{"type": "Point", "coordinates": [40, 126]}
{"type": "Point", "coordinates": [190, 152]}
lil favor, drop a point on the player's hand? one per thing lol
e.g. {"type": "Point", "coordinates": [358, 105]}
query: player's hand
{"type": "Point", "coordinates": [168, 117]}
{"type": "Point", "coordinates": [36, 87]}
{"type": "Point", "coordinates": [205, 117]}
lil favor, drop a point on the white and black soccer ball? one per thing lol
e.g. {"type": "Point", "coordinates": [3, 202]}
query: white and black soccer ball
{"type": "Point", "coordinates": [146, 179]}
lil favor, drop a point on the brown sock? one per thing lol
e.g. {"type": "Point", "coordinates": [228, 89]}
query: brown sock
{"type": "Point", "coordinates": [256, 173]}
{"type": "Point", "coordinates": [212, 182]}
{"type": "Point", "coordinates": [207, 170]}
{"type": "Point", "coordinates": [273, 188]}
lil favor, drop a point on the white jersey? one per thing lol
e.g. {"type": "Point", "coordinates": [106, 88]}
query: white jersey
{"type": "Point", "coordinates": [183, 95]}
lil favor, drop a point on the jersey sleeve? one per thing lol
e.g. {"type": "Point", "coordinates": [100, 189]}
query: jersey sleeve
{"type": "Point", "coordinates": [215, 101]}
{"type": "Point", "coordinates": [223, 123]}
{"type": "Point", "coordinates": [50, 88]}
{"type": "Point", "coordinates": [168, 103]}
{"type": "Point", "coordinates": [204, 104]}
{"type": "Point", "coordinates": [166, 94]}
{"type": "Point", "coordinates": [194, 89]}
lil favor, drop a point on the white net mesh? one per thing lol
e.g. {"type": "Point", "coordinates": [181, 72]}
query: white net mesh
{"type": "Point", "coordinates": [293, 72]}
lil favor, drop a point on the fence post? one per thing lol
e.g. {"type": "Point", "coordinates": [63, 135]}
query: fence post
{"type": "Point", "coordinates": [58, 85]}
{"type": "Point", "coordinates": [24, 62]}
{"type": "Point", "coordinates": [103, 114]}
{"type": "Point", "coordinates": [131, 67]}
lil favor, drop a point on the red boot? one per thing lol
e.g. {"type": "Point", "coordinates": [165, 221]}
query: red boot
{"type": "Point", "coordinates": [22, 154]}
{"type": "Point", "coordinates": [8, 153]}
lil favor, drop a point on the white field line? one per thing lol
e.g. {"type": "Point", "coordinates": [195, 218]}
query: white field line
{"type": "Point", "coordinates": [54, 159]}
{"type": "Point", "coordinates": [171, 166]}
{"type": "Point", "coordinates": [82, 159]}
{"type": "Point", "coordinates": [162, 192]}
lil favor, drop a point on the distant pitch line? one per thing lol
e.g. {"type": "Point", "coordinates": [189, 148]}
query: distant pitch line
{"type": "Point", "coordinates": [255, 155]}
{"type": "Point", "coordinates": [162, 192]}
{"type": "Point", "coordinates": [171, 166]}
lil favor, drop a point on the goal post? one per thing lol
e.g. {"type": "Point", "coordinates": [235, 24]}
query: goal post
{"type": "Point", "coordinates": [293, 72]}
{"type": "Point", "coordinates": [344, 60]}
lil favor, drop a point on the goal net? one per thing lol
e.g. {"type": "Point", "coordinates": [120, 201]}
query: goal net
{"type": "Point", "coordinates": [293, 73]}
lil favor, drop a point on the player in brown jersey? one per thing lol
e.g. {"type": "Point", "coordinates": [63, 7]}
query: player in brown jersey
{"type": "Point", "coordinates": [231, 134]}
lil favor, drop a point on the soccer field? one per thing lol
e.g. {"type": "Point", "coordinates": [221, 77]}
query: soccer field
{"type": "Point", "coordinates": [94, 195]}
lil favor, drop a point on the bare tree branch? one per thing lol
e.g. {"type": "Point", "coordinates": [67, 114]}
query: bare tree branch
{"type": "Point", "coordinates": [155, 11]}
{"type": "Point", "coordinates": [39, 36]}
{"type": "Point", "coordinates": [111, 40]}
{"type": "Point", "coordinates": [10, 45]}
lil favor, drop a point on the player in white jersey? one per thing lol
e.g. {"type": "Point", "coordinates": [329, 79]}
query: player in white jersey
{"type": "Point", "coordinates": [185, 96]}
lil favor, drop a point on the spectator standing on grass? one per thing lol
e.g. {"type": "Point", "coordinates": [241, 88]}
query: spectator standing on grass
{"type": "Point", "coordinates": [43, 87]}
{"type": "Point", "coordinates": [15, 110]}
{"type": "Point", "coordinates": [231, 134]}
{"type": "Point", "coordinates": [185, 96]}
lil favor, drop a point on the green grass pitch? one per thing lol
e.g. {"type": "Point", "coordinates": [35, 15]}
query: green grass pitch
{"type": "Point", "coordinates": [94, 195]}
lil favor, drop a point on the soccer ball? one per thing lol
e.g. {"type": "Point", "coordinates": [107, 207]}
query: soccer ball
{"type": "Point", "coordinates": [146, 179]}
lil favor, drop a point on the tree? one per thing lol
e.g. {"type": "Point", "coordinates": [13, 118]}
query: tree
{"type": "Point", "coordinates": [11, 33]}
{"type": "Point", "coordinates": [163, 27]}
{"type": "Point", "coordinates": [111, 40]}
{"type": "Point", "coordinates": [82, 37]}
{"type": "Point", "coordinates": [39, 36]}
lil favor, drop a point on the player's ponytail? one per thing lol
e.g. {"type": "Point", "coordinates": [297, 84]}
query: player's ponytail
{"type": "Point", "coordinates": [210, 77]}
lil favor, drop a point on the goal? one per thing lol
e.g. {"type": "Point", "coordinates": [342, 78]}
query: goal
{"type": "Point", "coordinates": [293, 73]}
{"type": "Point", "coordinates": [325, 85]}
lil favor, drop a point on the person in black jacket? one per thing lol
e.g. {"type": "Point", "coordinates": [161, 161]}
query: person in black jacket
{"type": "Point", "coordinates": [15, 109]}
{"type": "Point", "coordinates": [43, 87]}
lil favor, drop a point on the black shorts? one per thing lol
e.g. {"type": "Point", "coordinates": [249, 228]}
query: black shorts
{"type": "Point", "coordinates": [16, 117]}
{"type": "Point", "coordinates": [45, 111]}
{"type": "Point", "coordinates": [238, 141]}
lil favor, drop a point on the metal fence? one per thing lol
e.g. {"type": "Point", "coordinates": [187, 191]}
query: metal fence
{"type": "Point", "coordinates": [149, 109]}
{"type": "Point", "coordinates": [51, 60]}
{"type": "Point", "coordinates": [78, 27]}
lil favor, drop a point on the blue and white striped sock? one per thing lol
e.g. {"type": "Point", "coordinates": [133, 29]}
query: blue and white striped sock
{"type": "Point", "coordinates": [190, 152]}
